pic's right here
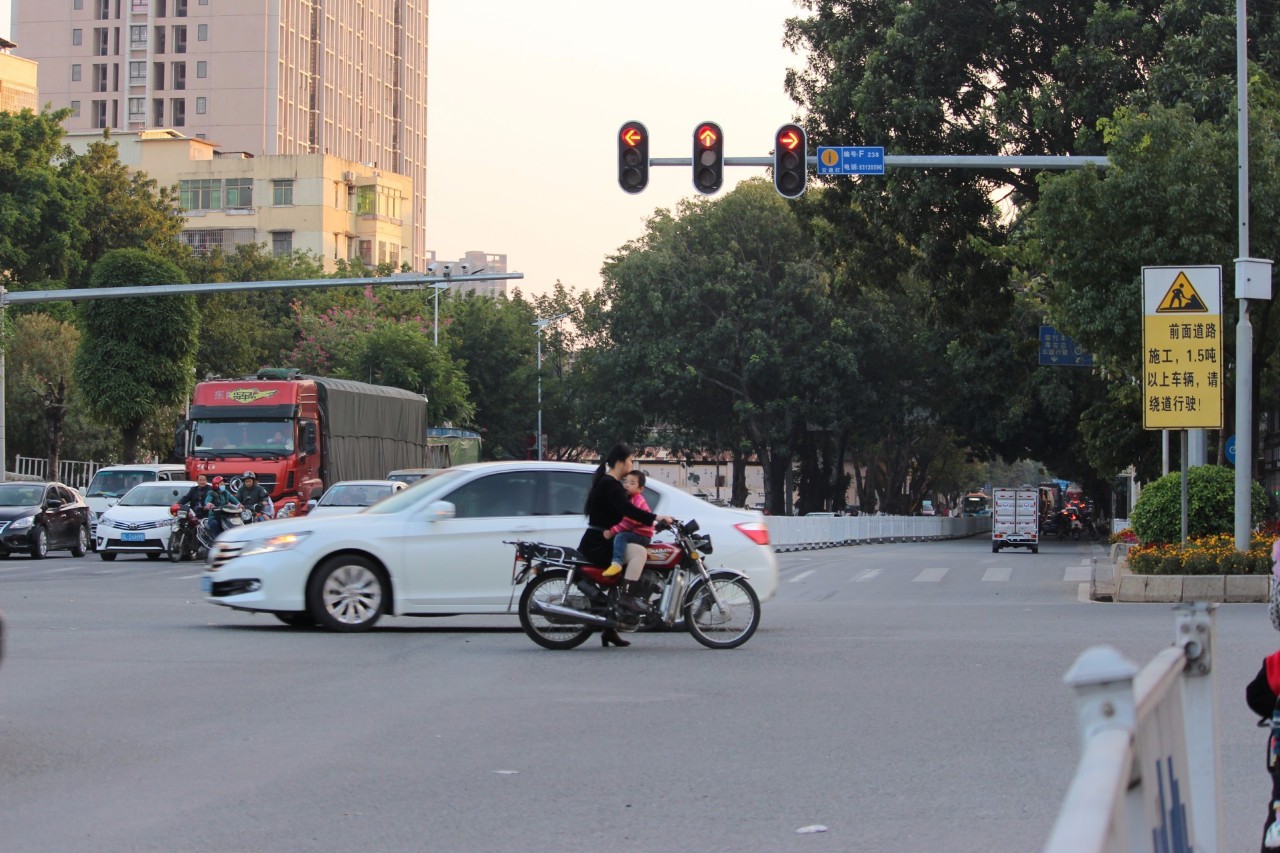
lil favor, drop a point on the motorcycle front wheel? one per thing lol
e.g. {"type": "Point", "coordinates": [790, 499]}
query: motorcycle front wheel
{"type": "Point", "coordinates": [728, 624]}
{"type": "Point", "coordinates": [177, 545]}
{"type": "Point", "coordinates": [550, 586]}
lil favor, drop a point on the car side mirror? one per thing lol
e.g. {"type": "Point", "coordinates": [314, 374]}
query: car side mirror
{"type": "Point", "coordinates": [311, 504]}
{"type": "Point", "coordinates": [441, 511]}
{"type": "Point", "coordinates": [54, 504]}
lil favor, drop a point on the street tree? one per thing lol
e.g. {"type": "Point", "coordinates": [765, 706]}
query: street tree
{"type": "Point", "coordinates": [136, 356]}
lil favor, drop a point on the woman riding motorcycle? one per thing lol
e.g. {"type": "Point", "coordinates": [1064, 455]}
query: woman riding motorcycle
{"type": "Point", "coordinates": [607, 503]}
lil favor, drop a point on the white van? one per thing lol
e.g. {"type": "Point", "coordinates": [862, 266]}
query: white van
{"type": "Point", "coordinates": [111, 482]}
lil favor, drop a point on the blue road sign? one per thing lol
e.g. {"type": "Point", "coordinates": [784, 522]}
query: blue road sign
{"type": "Point", "coordinates": [851, 160]}
{"type": "Point", "coordinates": [1230, 450]}
{"type": "Point", "coordinates": [1057, 350]}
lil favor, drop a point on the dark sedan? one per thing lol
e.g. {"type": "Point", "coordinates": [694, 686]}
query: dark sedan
{"type": "Point", "coordinates": [38, 517]}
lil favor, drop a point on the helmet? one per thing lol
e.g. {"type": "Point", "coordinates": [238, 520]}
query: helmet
{"type": "Point", "coordinates": [173, 510]}
{"type": "Point", "coordinates": [217, 481]}
{"type": "Point", "coordinates": [248, 475]}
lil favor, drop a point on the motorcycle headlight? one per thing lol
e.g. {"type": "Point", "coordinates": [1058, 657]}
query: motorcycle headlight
{"type": "Point", "coordinates": [23, 523]}
{"type": "Point", "coordinates": [283, 542]}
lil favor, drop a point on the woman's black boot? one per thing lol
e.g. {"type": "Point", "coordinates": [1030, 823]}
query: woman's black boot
{"type": "Point", "coordinates": [628, 600]}
{"type": "Point", "coordinates": [611, 636]}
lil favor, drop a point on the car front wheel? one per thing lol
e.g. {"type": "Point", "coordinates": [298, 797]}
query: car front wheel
{"type": "Point", "coordinates": [347, 593]}
{"type": "Point", "coordinates": [39, 543]}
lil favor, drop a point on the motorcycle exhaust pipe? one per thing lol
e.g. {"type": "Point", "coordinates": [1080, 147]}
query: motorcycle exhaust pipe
{"type": "Point", "coordinates": [546, 608]}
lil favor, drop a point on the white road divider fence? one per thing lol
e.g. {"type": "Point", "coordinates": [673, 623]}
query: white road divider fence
{"type": "Point", "coordinates": [801, 533]}
{"type": "Point", "coordinates": [1150, 773]}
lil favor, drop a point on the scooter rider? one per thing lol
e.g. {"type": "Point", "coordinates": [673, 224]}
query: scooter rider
{"type": "Point", "coordinates": [252, 496]}
{"type": "Point", "coordinates": [217, 498]}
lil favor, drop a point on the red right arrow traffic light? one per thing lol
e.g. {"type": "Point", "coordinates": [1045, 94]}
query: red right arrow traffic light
{"type": "Point", "coordinates": [790, 161]}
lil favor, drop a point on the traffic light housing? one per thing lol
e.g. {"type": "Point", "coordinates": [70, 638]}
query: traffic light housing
{"type": "Point", "coordinates": [790, 161]}
{"type": "Point", "coordinates": [633, 157]}
{"type": "Point", "coordinates": [708, 158]}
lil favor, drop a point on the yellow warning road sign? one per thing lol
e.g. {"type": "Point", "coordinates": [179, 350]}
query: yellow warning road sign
{"type": "Point", "coordinates": [1182, 366]}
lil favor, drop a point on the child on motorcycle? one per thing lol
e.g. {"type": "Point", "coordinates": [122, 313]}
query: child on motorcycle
{"type": "Point", "coordinates": [629, 531]}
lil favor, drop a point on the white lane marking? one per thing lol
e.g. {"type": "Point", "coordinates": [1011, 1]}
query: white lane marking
{"type": "Point", "coordinates": [930, 576]}
{"type": "Point", "coordinates": [868, 575]}
{"type": "Point", "coordinates": [186, 577]}
{"type": "Point", "coordinates": [802, 576]}
{"type": "Point", "coordinates": [1082, 594]}
{"type": "Point", "coordinates": [997, 573]}
{"type": "Point", "coordinates": [1075, 574]}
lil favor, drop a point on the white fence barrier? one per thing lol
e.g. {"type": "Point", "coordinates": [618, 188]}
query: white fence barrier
{"type": "Point", "coordinates": [788, 533]}
{"type": "Point", "coordinates": [75, 474]}
{"type": "Point", "coordinates": [1149, 773]}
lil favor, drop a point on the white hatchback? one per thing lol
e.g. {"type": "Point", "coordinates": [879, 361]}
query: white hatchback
{"type": "Point", "coordinates": [436, 548]}
{"type": "Point", "coordinates": [140, 523]}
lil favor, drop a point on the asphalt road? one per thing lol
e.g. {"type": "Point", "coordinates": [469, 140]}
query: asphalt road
{"type": "Point", "coordinates": [907, 697]}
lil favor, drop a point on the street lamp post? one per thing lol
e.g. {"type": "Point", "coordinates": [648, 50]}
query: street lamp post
{"type": "Point", "coordinates": [435, 326]}
{"type": "Point", "coordinates": [542, 323]}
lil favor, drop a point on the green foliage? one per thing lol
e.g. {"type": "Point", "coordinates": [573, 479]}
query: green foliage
{"type": "Point", "coordinates": [1209, 555]}
{"type": "Point", "coordinates": [1157, 517]}
{"type": "Point", "coordinates": [136, 355]}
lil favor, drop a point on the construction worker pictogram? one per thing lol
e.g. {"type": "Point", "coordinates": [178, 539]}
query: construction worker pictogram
{"type": "Point", "coordinates": [1182, 298]}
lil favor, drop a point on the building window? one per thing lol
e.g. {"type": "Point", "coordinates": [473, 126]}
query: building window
{"type": "Point", "coordinates": [200, 105]}
{"type": "Point", "coordinates": [99, 114]}
{"type": "Point", "coordinates": [366, 200]}
{"type": "Point", "coordinates": [138, 5]}
{"type": "Point", "coordinates": [160, 11]}
{"type": "Point", "coordinates": [138, 72]}
{"type": "Point", "coordinates": [158, 76]}
{"type": "Point", "coordinates": [202, 69]}
{"type": "Point", "coordinates": [157, 112]}
{"type": "Point", "coordinates": [204, 2]}
{"type": "Point", "coordinates": [179, 38]}
{"type": "Point", "coordinates": [102, 9]}
{"type": "Point", "coordinates": [202, 32]}
{"type": "Point", "coordinates": [77, 5]}
{"type": "Point", "coordinates": [239, 190]}
{"type": "Point", "coordinates": [100, 41]}
{"type": "Point", "coordinates": [100, 77]}
{"type": "Point", "coordinates": [366, 252]}
{"type": "Point", "coordinates": [75, 73]}
{"type": "Point", "coordinates": [200, 194]}
{"type": "Point", "coordinates": [179, 75]}
{"type": "Point", "coordinates": [138, 36]}
{"type": "Point", "coordinates": [159, 46]}
{"type": "Point", "coordinates": [282, 192]}
{"type": "Point", "coordinates": [179, 108]}
{"type": "Point", "coordinates": [179, 8]}
{"type": "Point", "coordinates": [281, 242]}
{"type": "Point", "coordinates": [75, 109]}
{"type": "Point", "coordinates": [137, 109]}
{"type": "Point", "coordinates": [77, 37]}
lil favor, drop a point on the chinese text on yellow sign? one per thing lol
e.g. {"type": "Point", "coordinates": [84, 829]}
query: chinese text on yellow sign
{"type": "Point", "coordinates": [1182, 368]}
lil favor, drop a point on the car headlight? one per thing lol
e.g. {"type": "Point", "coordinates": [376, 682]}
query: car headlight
{"type": "Point", "coordinates": [283, 542]}
{"type": "Point", "coordinates": [23, 523]}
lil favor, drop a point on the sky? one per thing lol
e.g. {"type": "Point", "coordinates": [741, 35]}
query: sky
{"type": "Point", "coordinates": [525, 100]}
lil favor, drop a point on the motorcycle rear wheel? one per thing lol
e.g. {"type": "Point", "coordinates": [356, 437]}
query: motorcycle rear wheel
{"type": "Point", "coordinates": [727, 628]}
{"type": "Point", "coordinates": [550, 635]}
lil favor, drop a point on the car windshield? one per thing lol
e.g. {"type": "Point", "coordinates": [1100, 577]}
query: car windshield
{"type": "Point", "coordinates": [153, 494]}
{"type": "Point", "coordinates": [426, 489]}
{"type": "Point", "coordinates": [21, 495]}
{"type": "Point", "coordinates": [113, 484]}
{"type": "Point", "coordinates": [236, 438]}
{"type": "Point", "coordinates": [354, 494]}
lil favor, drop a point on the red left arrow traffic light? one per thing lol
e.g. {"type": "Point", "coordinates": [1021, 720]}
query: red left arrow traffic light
{"type": "Point", "coordinates": [633, 157]}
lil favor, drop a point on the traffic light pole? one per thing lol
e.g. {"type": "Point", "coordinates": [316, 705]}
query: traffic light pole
{"type": "Point", "coordinates": [928, 161]}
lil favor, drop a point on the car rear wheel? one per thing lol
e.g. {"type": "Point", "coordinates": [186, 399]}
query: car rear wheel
{"type": "Point", "coordinates": [347, 593]}
{"type": "Point", "coordinates": [82, 542]}
{"type": "Point", "coordinates": [39, 543]}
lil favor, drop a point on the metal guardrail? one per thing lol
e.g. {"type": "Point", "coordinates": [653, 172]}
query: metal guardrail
{"type": "Point", "coordinates": [807, 532]}
{"type": "Point", "coordinates": [1150, 774]}
{"type": "Point", "coordinates": [71, 472]}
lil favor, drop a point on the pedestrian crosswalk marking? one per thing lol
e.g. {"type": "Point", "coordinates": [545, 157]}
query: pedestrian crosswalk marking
{"type": "Point", "coordinates": [997, 573]}
{"type": "Point", "coordinates": [868, 575]}
{"type": "Point", "coordinates": [1075, 574]}
{"type": "Point", "coordinates": [930, 575]}
{"type": "Point", "coordinates": [802, 576]}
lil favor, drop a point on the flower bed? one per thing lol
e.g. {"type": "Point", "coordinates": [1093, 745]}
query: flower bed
{"type": "Point", "coordinates": [1208, 555]}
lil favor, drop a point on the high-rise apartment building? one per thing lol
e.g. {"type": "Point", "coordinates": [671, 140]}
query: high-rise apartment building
{"type": "Point", "coordinates": [346, 78]}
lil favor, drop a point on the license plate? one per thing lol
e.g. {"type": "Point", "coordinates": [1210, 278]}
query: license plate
{"type": "Point", "coordinates": [133, 537]}
{"type": "Point", "coordinates": [206, 585]}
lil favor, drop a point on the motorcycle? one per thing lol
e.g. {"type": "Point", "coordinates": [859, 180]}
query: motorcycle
{"type": "Point", "coordinates": [231, 515]}
{"type": "Point", "coordinates": [565, 599]}
{"type": "Point", "coordinates": [183, 544]}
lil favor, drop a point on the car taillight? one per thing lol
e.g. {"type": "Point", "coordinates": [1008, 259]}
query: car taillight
{"type": "Point", "coordinates": [755, 531]}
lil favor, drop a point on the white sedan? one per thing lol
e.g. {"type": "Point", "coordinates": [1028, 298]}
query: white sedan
{"type": "Point", "coordinates": [140, 523]}
{"type": "Point", "coordinates": [353, 495]}
{"type": "Point", "coordinates": [436, 548]}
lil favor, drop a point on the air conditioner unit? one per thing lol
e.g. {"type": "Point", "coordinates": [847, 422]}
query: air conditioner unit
{"type": "Point", "coordinates": [349, 177]}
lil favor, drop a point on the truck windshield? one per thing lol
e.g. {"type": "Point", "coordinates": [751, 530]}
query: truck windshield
{"type": "Point", "coordinates": [237, 438]}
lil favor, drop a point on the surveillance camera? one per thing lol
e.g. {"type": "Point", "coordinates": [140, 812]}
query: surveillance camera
{"type": "Point", "coordinates": [448, 268]}
{"type": "Point", "coordinates": [431, 268]}
{"type": "Point", "coordinates": [465, 267]}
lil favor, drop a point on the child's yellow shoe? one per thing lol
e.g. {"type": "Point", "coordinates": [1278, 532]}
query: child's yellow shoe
{"type": "Point", "coordinates": [614, 569]}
